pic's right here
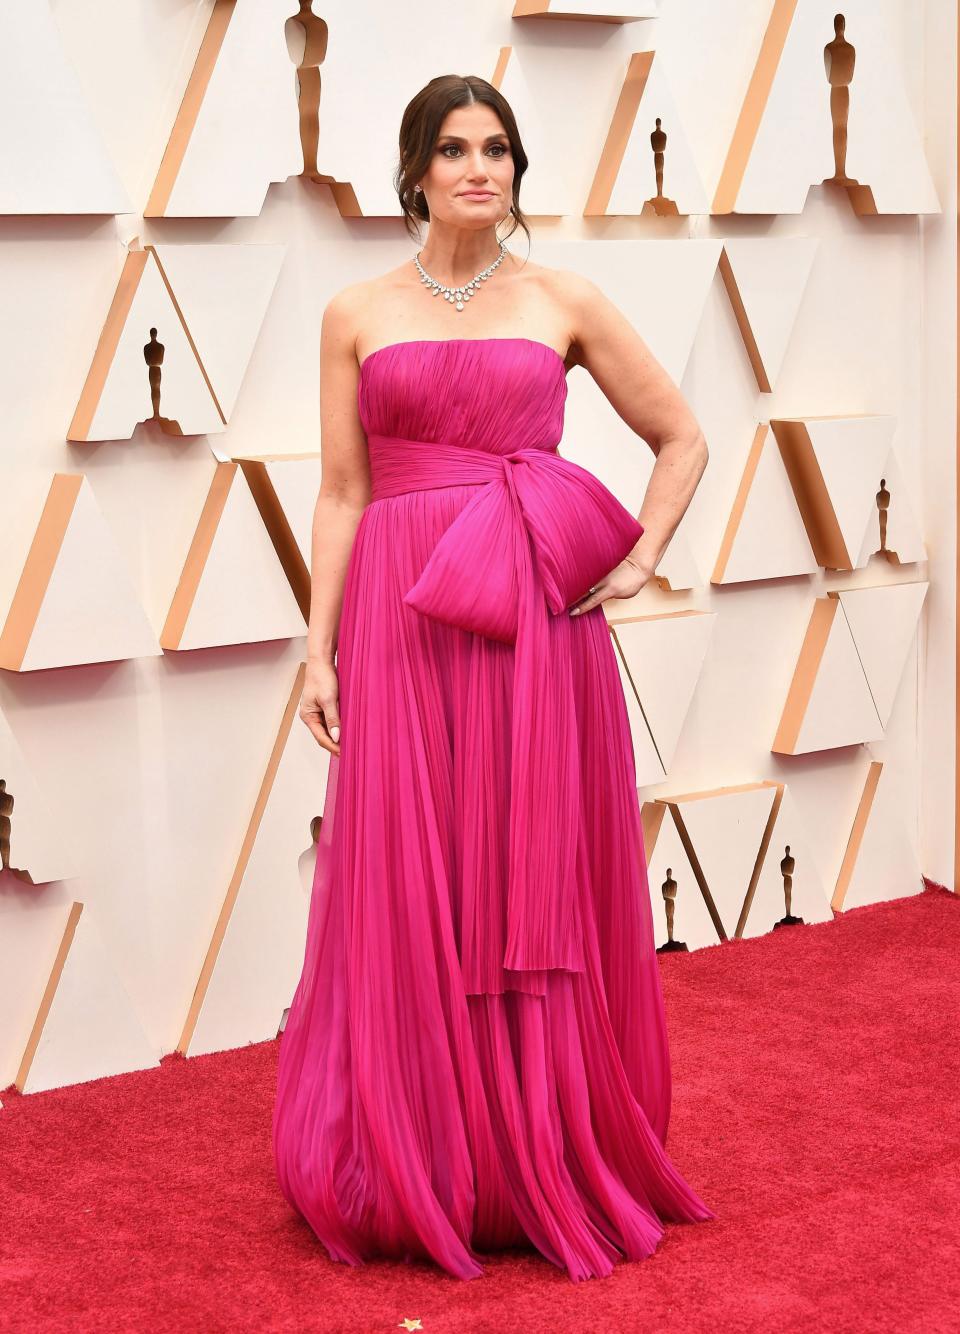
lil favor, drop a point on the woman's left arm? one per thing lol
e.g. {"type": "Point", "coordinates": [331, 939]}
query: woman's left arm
{"type": "Point", "coordinates": [643, 394]}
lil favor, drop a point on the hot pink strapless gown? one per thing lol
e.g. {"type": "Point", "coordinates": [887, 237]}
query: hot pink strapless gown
{"type": "Point", "coordinates": [476, 1055]}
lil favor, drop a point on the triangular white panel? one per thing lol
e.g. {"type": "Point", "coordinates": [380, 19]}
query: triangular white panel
{"type": "Point", "coordinates": [91, 1029]}
{"type": "Point", "coordinates": [223, 292]}
{"type": "Point", "coordinates": [31, 932]}
{"type": "Point", "coordinates": [635, 181]}
{"type": "Point", "coordinates": [850, 453]}
{"type": "Point", "coordinates": [91, 611]}
{"type": "Point", "coordinates": [792, 148]}
{"type": "Point", "coordinates": [664, 656]}
{"type": "Point", "coordinates": [840, 711]}
{"type": "Point", "coordinates": [678, 568]}
{"type": "Point", "coordinates": [883, 622]}
{"type": "Point", "coordinates": [52, 159]}
{"type": "Point", "coordinates": [125, 398]}
{"type": "Point", "coordinates": [261, 955]}
{"type": "Point", "coordinates": [849, 450]}
{"type": "Point", "coordinates": [887, 865]}
{"type": "Point", "coordinates": [665, 276]}
{"type": "Point", "coordinates": [726, 832]}
{"type": "Point", "coordinates": [296, 483]}
{"type": "Point", "coordinates": [648, 766]}
{"type": "Point", "coordinates": [904, 536]}
{"type": "Point", "coordinates": [766, 537]}
{"type": "Point", "coordinates": [808, 897]}
{"type": "Point", "coordinates": [243, 595]}
{"type": "Point", "coordinates": [692, 924]}
{"type": "Point", "coordinates": [38, 854]}
{"type": "Point", "coordinates": [246, 132]}
{"type": "Point", "coordinates": [770, 274]}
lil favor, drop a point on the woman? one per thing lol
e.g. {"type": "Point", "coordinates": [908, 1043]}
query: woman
{"type": "Point", "coordinates": [476, 1055]}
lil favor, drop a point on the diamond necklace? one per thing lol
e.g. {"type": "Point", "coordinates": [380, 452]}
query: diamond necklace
{"type": "Point", "coordinates": [458, 295]}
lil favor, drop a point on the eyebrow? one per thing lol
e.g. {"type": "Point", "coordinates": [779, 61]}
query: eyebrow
{"type": "Point", "coordinates": [456, 138]}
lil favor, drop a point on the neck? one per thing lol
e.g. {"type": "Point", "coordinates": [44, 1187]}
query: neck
{"type": "Point", "coordinates": [453, 255]}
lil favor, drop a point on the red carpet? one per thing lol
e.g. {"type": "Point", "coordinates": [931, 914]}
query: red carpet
{"type": "Point", "coordinates": [816, 1090]}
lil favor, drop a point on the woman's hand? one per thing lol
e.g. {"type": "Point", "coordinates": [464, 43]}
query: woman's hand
{"type": "Point", "coordinates": [624, 581]}
{"type": "Point", "coordinates": [320, 703]}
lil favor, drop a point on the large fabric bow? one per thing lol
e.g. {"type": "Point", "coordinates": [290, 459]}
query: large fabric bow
{"type": "Point", "coordinates": [540, 532]}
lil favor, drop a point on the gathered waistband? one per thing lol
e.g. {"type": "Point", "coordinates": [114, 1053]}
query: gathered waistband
{"type": "Point", "coordinates": [399, 464]}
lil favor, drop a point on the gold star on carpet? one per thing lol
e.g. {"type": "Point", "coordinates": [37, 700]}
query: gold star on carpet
{"type": "Point", "coordinates": [410, 1324]}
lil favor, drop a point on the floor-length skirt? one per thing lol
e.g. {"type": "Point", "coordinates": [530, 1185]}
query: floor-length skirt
{"type": "Point", "coordinates": [417, 1117]}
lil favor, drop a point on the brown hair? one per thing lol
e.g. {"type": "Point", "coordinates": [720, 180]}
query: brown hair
{"type": "Point", "coordinates": [420, 129]}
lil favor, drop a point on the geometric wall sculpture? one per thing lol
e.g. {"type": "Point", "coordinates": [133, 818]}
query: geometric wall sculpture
{"type": "Point", "coordinates": [52, 158]}
{"type": "Point", "coordinates": [725, 832]}
{"type": "Point", "coordinates": [678, 568]}
{"type": "Point", "coordinates": [75, 601]}
{"type": "Point", "coordinates": [86, 1026]}
{"type": "Point", "coordinates": [765, 537]}
{"type": "Point", "coordinates": [836, 468]}
{"type": "Point", "coordinates": [883, 622]}
{"type": "Point", "coordinates": [894, 532]}
{"type": "Point", "coordinates": [145, 367]}
{"type": "Point", "coordinates": [829, 702]}
{"type": "Point", "coordinates": [645, 138]}
{"type": "Point", "coordinates": [177, 340]}
{"type": "Point", "coordinates": [222, 293]}
{"type": "Point", "coordinates": [256, 953]}
{"type": "Point", "coordinates": [786, 888]}
{"type": "Point", "coordinates": [880, 861]}
{"type": "Point", "coordinates": [28, 947]}
{"type": "Point", "coordinates": [238, 126]}
{"type": "Point", "coordinates": [765, 278]}
{"type": "Point", "coordinates": [31, 846]}
{"type": "Point", "coordinates": [285, 488]}
{"type": "Point", "coordinates": [647, 763]}
{"type": "Point", "coordinates": [826, 105]}
{"type": "Point", "coordinates": [232, 589]}
{"type": "Point", "coordinates": [681, 918]}
{"type": "Point", "coordinates": [664, 655]}
{"type": "Point", "coordinates": [595, 11]}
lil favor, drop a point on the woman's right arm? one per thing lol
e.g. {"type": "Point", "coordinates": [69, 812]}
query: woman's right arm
{"type": "Point", "coordinates": [344, 494]}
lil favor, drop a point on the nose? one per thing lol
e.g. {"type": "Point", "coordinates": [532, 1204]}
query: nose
{"type": "Point", "coordinates": [477, 167]}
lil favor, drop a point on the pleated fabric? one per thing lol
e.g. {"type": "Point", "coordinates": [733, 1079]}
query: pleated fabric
{"type": "Point", "coordinates": [437, 1098]}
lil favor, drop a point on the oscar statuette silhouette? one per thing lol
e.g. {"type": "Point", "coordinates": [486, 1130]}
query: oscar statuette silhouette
{"type": "Point", "coordinates": [659, 203]}
{"type": "Point", "coordinates": [307, 36]}
{"type": "Point", "coordinates": [6, 824]}
{"type": "Point", "coordinates": [787, 867]}
{"type": "Point", "coordinates": [839, 57]}
{"type": "Point", "coordinates": [669, 891]}
{"type": "Point", "coordinates": [153, 356]}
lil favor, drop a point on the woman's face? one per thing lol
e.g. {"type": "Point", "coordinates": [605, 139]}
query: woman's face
{"type": "Point", "coordinates": [470, 179]}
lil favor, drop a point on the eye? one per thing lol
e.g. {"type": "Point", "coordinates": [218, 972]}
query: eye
{"type": "Point", "coordinates": [502, 147]}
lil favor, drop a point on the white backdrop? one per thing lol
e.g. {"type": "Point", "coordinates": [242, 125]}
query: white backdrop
{"type": "Point", "coordinates": [162, 785]}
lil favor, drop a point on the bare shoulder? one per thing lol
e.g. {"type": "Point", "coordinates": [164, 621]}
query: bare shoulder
{"type": "Point", "coordinates": [351, 301]}
{"type": "Point", "coordinates": [579, 296]}
{"type": "Point", "coordinates": [351, 311]}
{"type": "Point", "coordinates": [577, 301]}
{"type": "Point", "coordinates": [341, 308]}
